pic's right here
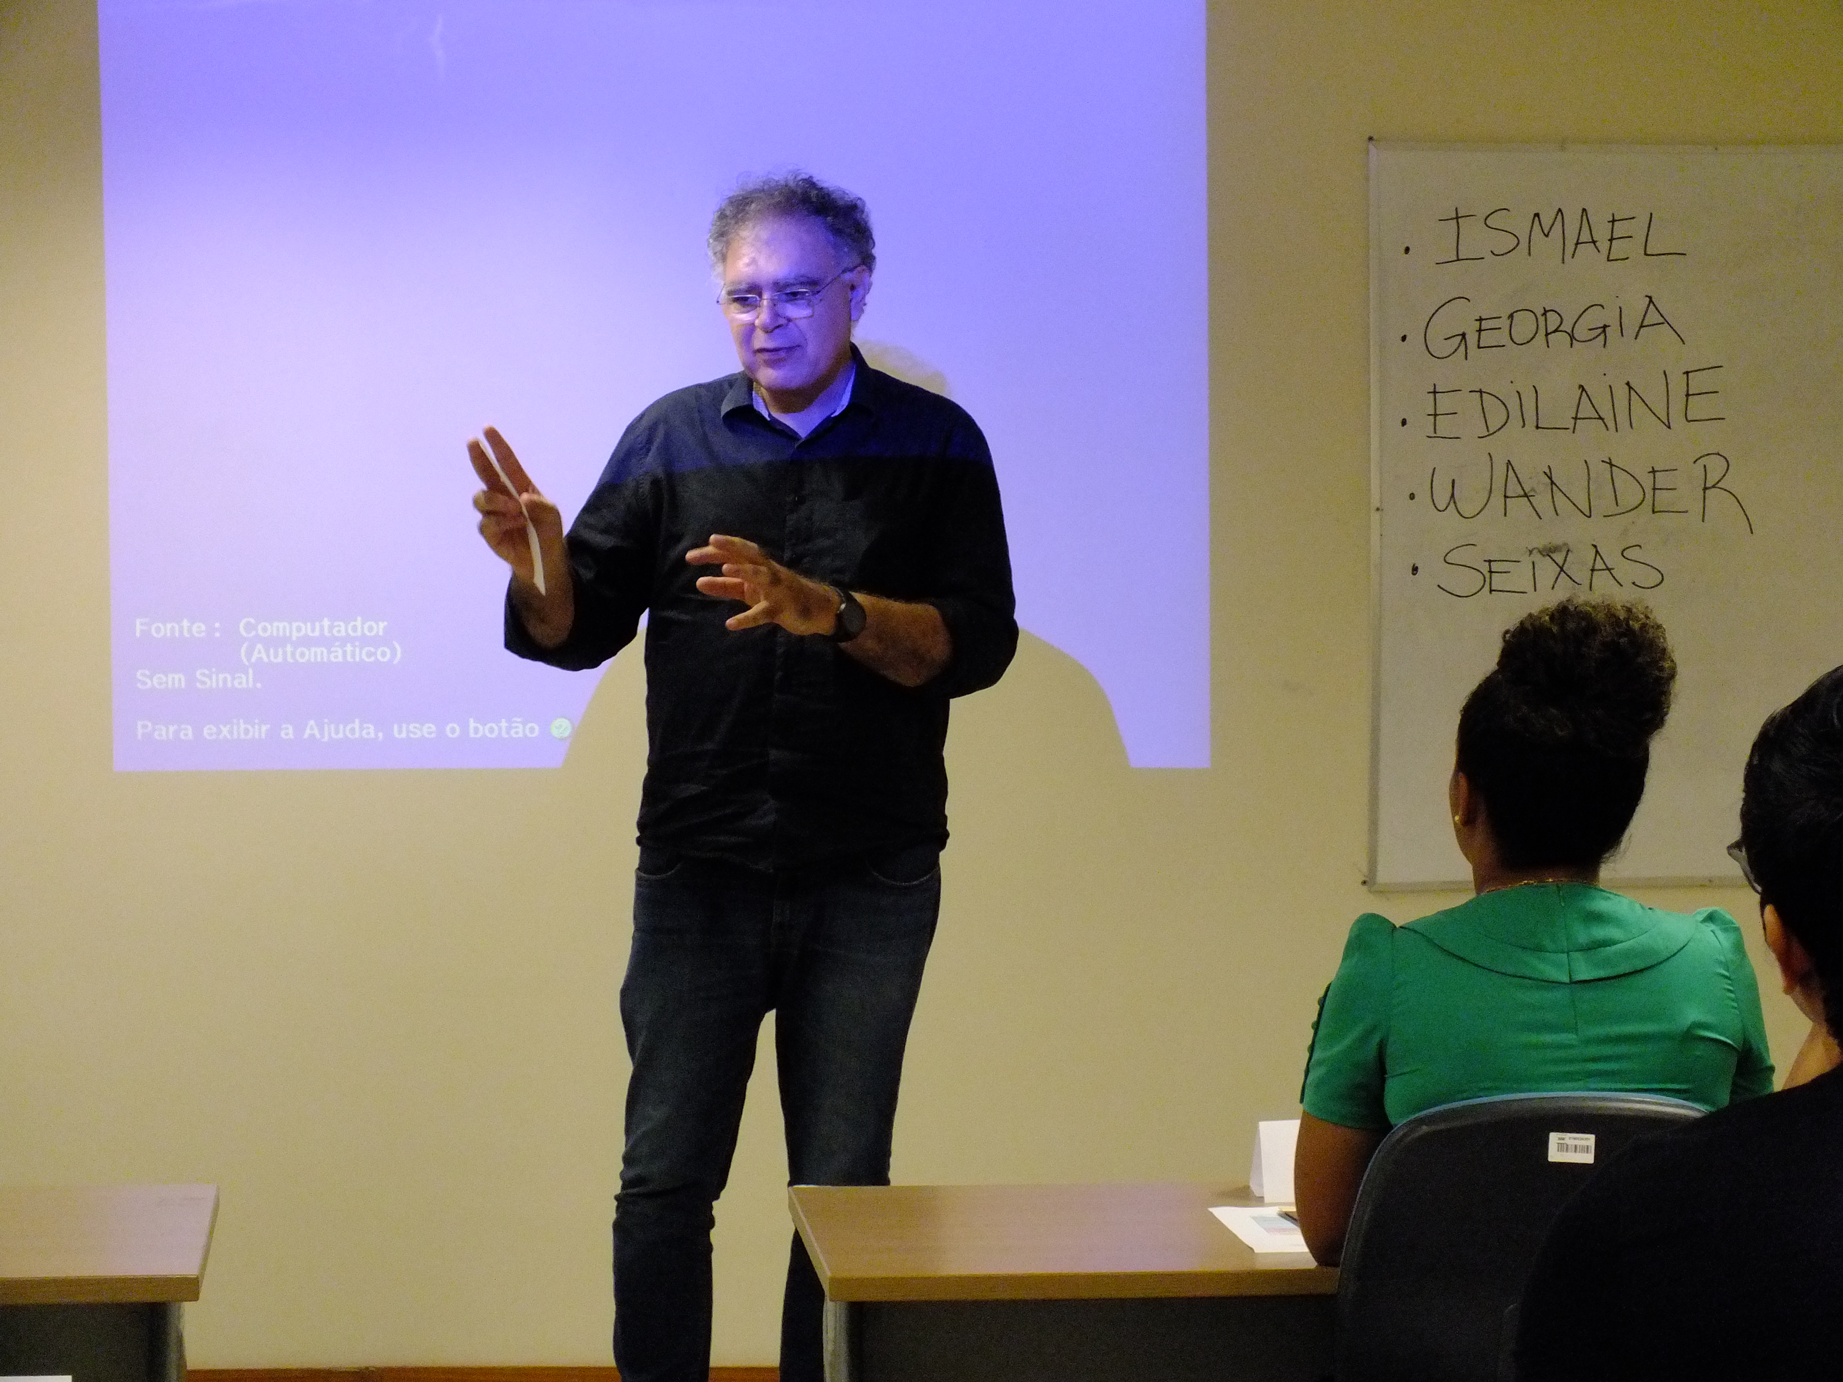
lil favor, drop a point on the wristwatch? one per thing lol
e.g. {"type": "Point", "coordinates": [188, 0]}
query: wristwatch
{"type": "Point", "coordinates": [848, 618]}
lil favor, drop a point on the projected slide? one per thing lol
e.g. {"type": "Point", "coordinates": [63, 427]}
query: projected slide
{"type": "Point", "coordinates": [342, 237]}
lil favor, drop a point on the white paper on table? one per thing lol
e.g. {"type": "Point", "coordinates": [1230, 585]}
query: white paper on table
{"type": "Point", "coordinates": [1261, 1227]}
{"type": "Point", "coordinates": [1271, 1175]}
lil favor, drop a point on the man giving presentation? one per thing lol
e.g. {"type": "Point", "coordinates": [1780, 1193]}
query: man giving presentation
{"type": "Point", "coordinates": [820, 553]}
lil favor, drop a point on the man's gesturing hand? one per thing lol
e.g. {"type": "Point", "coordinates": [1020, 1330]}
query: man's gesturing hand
{"type": "Point", "coordinates": [503, 516]}
{"type": "Point", "coordinates": [906, 642]}
{"type": "Point", "coordinates": [503, 513]}
{"type": "Point", "coordinates": [773, 594]}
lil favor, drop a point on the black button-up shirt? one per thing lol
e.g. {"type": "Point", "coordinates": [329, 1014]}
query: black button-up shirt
{"type": "Point", "coordinates": [766, 748]}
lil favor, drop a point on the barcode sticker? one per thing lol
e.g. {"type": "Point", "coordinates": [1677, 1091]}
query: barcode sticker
{"type": "Point", "coordinates": [1571, 1146]}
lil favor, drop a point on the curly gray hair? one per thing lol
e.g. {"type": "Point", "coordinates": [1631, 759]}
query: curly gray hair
{"type": "Point", "coordinates": [845, 217]}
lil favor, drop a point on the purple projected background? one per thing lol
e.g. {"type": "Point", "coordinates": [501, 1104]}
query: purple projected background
{"type": "Point", "coordinates": [343, 236]}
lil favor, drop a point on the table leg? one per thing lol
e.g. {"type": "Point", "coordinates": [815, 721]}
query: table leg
{"type": "Point", "coordinates": [839, 1320]}
{"type": "Point", "coordinates": [167, 1361]}
{"type": "Point", "coordinates": [93, 1343]}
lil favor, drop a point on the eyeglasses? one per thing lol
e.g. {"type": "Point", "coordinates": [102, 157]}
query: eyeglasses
{"type": "Point", "coordinates": [1738, 852]}
{"type": "Point", "coordinates": [793, 302]}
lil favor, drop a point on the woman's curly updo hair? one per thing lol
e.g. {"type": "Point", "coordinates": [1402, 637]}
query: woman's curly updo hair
{"type": "Point", "coordinates": [1557, 737]}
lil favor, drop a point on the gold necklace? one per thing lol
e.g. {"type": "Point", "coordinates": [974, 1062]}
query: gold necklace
{"type": "Point", "coordinates": [1535, 882]}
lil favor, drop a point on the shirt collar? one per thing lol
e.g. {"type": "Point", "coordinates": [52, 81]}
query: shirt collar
{"type": "Point", "coordinates": [1558, 932]}
{"type": "Point", "coordinates": [860, 392]}
{"type": "Point", "coordinates": [846, 381]}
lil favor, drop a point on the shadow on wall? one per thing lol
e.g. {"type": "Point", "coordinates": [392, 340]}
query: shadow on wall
{"type": "Point", "coordinates": [1048, 715]}
{"type": "Point", "coordinates": [1078, 962]}
{"type": "Point", "coordinates": [905, 365]}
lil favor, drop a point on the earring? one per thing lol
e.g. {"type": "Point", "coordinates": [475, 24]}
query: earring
{"type": "Point", "coordinates": [1457, 822]}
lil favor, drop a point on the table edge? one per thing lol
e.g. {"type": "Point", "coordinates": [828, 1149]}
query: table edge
{"type": "Point", "coordinates": [99, 1290]}
{"type": "Point", "coordinates": [1150, 1285]}
{"type": "Point", "coordinates": [1291, 1278]}
{"type": "Point", "coordinates": [102, 1288]}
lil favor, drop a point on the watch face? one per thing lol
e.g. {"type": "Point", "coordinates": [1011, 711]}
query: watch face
{"type": "Point", "coordinates": [850, 618]}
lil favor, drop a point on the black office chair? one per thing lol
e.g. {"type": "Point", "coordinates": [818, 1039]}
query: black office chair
{"type": "Point", "coordinates": [1448, 1221]}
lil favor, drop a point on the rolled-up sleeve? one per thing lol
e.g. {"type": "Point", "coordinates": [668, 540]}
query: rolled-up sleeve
{"type": "Point", "coordinates": [973, 591]}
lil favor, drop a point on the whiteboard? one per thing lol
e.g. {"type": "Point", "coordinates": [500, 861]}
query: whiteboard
{"type": "Point", "coordinates": [1605, 370]}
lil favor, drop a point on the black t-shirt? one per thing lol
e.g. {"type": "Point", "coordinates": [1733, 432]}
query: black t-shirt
{"type": "Point", "coordinates": [765, 748]}
{"type": "Point", "coordinates": [1711, 1251]}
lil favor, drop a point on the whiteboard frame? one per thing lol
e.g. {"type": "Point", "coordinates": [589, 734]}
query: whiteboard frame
{"type": "Point", "coordinates": [1375, 148]}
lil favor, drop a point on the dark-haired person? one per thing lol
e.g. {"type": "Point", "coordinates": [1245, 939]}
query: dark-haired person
{"type": "Point", "coordinates": [1716, 1250]}
{"type": "Point", "coordinates": [794, 807]}
{"type": "Point", "coordinates": [1544, 980]}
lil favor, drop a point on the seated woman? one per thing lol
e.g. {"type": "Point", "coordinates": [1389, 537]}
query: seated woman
{"type": "Point", "coordinates": [1544, 981]}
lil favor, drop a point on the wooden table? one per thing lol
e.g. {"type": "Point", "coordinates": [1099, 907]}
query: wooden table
{"type": "Point", "coordinates": [91, 1280]}
{"type": "Point", "coordinates": [1057, 1283]}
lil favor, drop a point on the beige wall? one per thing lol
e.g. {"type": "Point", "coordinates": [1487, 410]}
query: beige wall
{"type": "Point", "coordinates": [377, 1008]}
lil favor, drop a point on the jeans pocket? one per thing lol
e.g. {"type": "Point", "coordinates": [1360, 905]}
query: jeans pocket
{"type": "Point", "coordinates": [907, 867]}
{"type": "Point", "coordinates": [657, 864]}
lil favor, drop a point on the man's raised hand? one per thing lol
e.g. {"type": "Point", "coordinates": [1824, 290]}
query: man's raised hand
{"type": "Point", "coordinates": [505, 512]}
{"type": "Point", "coordinates": [507, 516]}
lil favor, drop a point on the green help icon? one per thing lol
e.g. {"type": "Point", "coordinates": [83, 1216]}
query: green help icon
{"type": "Point", "coordinates": [560, 728]}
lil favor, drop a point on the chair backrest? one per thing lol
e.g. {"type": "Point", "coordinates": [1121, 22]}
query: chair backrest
{"type": "Point", "coordinates": [1451, 1213]}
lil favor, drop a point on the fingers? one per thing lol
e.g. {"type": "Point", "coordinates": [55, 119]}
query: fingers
{"type": "Point", "coordinates": [523, 528]}
{"type": "Point", "coordinates": [750, 583]}
{"type": "Point", "coordinates": [483, 467]}
{"type": "Point", "coordinates": [750, 618]}
{"type": "Point", "coordinates": [499, 530]}
{"type": "Point", "coordinates": [545, 516]}
{"type": "Point", "coordinates": [738, 548]}
{"type": "Point", "coordinates": [502, 518]}
{"type": "Point", "coordinates": [514, 481]}
{"type": "Point", "coordinates": [502, 451]}
{"type": "Point", "coordinates": [506, 519]}
{"type": "Point", "coordinates": [724, 549]}
{"type": "Point", "coordinates": [496, 503]}
{"type": "Point", "coordinates": [509, 543]}
{"type": "Point", "coordinates": [774, 594]}
{"type": "Point", "coordinates": [756, 586]}
{"type": "Point", "coordinates": [724, 588]}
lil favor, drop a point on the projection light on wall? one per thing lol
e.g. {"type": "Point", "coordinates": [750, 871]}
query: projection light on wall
{"type": "Point", "coordinates": [341, 237]}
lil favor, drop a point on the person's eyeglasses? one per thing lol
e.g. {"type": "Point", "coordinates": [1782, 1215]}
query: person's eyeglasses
{"type": "Point", "coordinates": [1738, 852]}
{"type": "Point", "coordinates": [793, 302]}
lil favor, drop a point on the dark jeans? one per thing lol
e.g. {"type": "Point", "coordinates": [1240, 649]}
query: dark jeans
{"type": "Point", "coordinates": [837, 953]}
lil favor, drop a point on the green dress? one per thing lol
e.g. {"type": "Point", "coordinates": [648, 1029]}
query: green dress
{"type": "Point", "coordinates": [1540, 988]}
